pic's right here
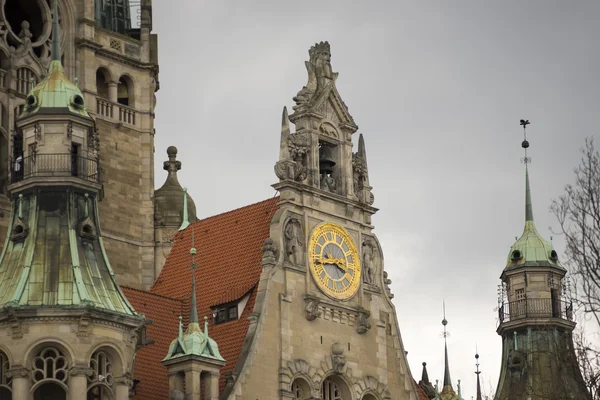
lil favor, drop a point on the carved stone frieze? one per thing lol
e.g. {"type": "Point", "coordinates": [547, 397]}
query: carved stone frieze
{"type": "Point", "coordinates": [78, 370]}
{"type": "Point", "coordinates": [17, 371]}
{"type": "Point", "coordinates": [125, 379]}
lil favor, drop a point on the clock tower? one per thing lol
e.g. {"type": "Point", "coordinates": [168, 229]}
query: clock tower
{"type": "Point", "coordinates": [323, 300]}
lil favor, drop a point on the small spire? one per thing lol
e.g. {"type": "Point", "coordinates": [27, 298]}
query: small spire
{"type": "Point", "coordinates": [185, 223]}
{"type": "Point", "coordinates": [447, 380]}
{"type": "Point", "coordinates": [526, 160]}
{"type": "Point", "coordinates": [361, 147]}
{"type": "Point", "coordinates": [180, 327]}
{"type": "Point", "coordinates": [55, 33]}
{"type": "Point", "coordinates": [193, 307]}
{"type": "Point", "coordinates": [87, 206]}
{"type": "Point", "coordinates": [206, 326]}
{"type": "Point", "coordinates": [477, 372]}
{"type": "Point", "coordinates": [424, 374]}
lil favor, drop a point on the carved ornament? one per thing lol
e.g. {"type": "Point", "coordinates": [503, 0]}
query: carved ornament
{"type": "Point", "coordinates": [269, 250]}
{"type": "Point", "coordinates": [362, 323]}
{"type": "Point", "coordinates": [311, 308]}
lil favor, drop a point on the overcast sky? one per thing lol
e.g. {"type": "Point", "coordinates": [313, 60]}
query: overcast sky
{"type": "Point", "coordinates": [438, 89]}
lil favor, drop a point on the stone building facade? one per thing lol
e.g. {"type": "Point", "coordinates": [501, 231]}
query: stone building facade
{"type": "Point", "coordinates": [117, 72]}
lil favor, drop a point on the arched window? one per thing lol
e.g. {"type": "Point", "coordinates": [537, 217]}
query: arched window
{"type": "Point", "coordinates": [334, 388]}
{"type": "Point", "coordinates": [5, 381]}
{"type": "Point", "coordinates": [49, 374]}
{"type": "Point", "coordinates": [102, 79]}
{"type": "Point", "coordinates": [368, 397]}
{"type": "Point", "coordinates": [100, 383]}
{"type": "Point", "coordinates": [25, 76]}
{"type": "Point", "coordinates": [50, 391]}
{"type": "Point", "coordinates": [125, 91]}
{"type": "Point", "coordinates": [300, 390]}
{"type": "Point", "coordinates": [4, 67]}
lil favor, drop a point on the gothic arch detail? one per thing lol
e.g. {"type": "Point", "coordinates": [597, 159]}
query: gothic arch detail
{"type": "Point", "coordinates": [369, 385]}
{"type": "Point", "coordinates": [294, 370]}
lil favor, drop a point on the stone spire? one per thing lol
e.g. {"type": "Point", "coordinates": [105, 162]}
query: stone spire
{"type": "Point", "coordinates": [425, 384]}
{"type": "Point", "coordinates": [447, 380]}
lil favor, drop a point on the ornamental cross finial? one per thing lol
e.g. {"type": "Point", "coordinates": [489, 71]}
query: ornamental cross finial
{"type": "Point", "coordinates": [525, 143]}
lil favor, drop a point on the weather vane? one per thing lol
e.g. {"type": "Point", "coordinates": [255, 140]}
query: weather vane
{"type": "Point", "coordinates": [445, 334]}
{"type": "Point", "coordinates": [477, 360]}
{"type": "Point", "coordinates": [525, 143]}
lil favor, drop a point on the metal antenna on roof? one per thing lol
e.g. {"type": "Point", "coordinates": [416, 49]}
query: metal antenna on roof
{"type": "Point", "coordinates": [193, 307]}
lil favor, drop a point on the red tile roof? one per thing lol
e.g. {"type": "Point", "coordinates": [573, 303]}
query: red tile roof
{"type": "Point", "coordinates": [420, 392]}
{"type": "Point", "coordinates": [228, 259]}
{"type": "Point", "coordinates": [163, 311]}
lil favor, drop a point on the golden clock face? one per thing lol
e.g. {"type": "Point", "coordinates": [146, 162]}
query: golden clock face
{"type": "Point", "coordinates": [334, 261]}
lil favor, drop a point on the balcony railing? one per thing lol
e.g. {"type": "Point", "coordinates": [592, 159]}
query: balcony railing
{"type": "Point", "coordinates": [52, 165]}
{"type": "Point", "coordinates": [122, 113]}
{"type": "Point", "coordinates": [535, 308]}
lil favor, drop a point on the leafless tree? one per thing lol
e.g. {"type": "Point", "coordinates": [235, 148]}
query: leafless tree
{"type": "Point", "coordinates": [578, 213]}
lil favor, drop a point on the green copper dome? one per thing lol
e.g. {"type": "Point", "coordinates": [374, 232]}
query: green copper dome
{"type": "Point", "coordinates": [55, 92]}
{"type": "Point", "coordinates": [531, 249]}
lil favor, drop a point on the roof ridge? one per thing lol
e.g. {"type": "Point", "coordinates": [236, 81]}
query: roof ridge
{"type": "Point", "coordinates": [152, 293]}
{"type": "Point", "coordinates": [234, 210]}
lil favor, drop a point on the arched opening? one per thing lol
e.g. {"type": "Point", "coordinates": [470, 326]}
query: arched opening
{"type": "Point", "coordinates": [125, 91]}
{"type": "Point", "coordinates": [50, 391]}
{"type": "Point", "coordinates": [26, 18]}
{"type": "Point", "coordinates": [4, 67]}
{"type": "Point", "coordinates": [369, 397]}
{"type": "Point", "coordinates": [100, 382]}
{"type": "Point", "coordinates": [334, 388]}
{"type": "Point", "coordinates": [300, 389]}
{"type": "Point", "coordinates": [5, 380]}
{"type": "Point", "coordinates": [26, 78]}
{"type": "Point", "coordinates": [49, 373]}
{"type": "Point", "coordinates": [102, 79]}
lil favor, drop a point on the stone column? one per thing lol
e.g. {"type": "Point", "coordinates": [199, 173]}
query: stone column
{"type": "Point", "coordinates": [192, 385]}
{"type": "Point", "coordinates": [78, 382]}
{"type": "Point", "coordinates": [122, 386]}
{"type": "Point", "coordinates": [21, 382]}
{"type": "Point", "coordinates": [211, 386]}
{"type": "Point", "coordinates": [112, 91]}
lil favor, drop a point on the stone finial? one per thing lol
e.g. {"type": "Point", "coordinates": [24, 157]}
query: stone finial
{"type": "Point", "coordinates": [172, 166]}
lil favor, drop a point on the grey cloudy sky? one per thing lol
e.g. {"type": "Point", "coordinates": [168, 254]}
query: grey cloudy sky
{"type": "Point", "coordinates": [437, 88]}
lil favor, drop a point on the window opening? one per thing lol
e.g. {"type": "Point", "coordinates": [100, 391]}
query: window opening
{"type": "Point", "coordinates": [331, 390]}
{"type": "Point", "coordinates": [100, 382]}
{"type": "Point", "coordinates": [225, 313]}
{"type": "Point", "coordinates": [113, 15]}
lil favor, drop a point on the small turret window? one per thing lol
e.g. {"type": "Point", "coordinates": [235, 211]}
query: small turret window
{"type": "Point", "coordinates": [78, 101]}
{"type": "Point", "coordinates": [31, 101]}
{"type": "Point", "coordinates": [516, 255]}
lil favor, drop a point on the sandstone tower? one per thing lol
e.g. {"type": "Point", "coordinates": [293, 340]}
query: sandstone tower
{"type": "Point", "coordinates": [67, 329]}
{"type": "Point", "coordinates": [536, 320]}
{"type": "Point", "coordinates": [116, 70]}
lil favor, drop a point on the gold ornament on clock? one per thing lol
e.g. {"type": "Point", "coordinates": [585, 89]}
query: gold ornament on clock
{"type": "Point", "coordinates": [334, 261]}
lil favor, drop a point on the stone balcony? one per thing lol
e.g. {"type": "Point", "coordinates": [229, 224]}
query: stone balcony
{"type": "Point", "coordinates": [115, 111]}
